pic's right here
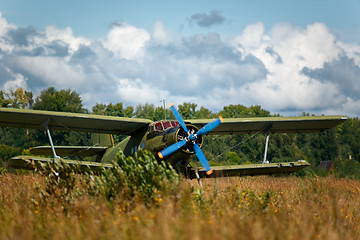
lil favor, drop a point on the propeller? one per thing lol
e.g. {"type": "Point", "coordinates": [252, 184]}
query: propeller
{"type": "Point", "coordinates": [191, 138]}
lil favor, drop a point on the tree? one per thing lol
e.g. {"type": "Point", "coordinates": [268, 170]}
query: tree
{"type": "Point", "coordinates": [3, 102]}
{"type": "Point", "coordinates": [60, 101]}
{"type": "Point", "coordinates": [20, 98]}
{"type": "Point", "coordinates": [349, 139]}
{"type": "Point", "coordinates": [145, 111]}
{"type": "Point", "coordinates": [239, 111]}
{"type": "Point", "coordinates": [99, 109]}
{"type": "Point", "coordinates": [187, 110]}
{"type": "Point", "coordinates": [7, 152]}
{"type": "Point", "coordinates": [204, 113]}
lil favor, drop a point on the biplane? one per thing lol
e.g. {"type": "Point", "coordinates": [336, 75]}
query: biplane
{"type": "Point", "coordinates": [173, 141]}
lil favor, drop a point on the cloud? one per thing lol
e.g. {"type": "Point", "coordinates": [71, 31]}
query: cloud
{"type": "Point", "coordinates": [17, 82]}
{"type": "Point", "coordinates": [286, 69]}
{"type": "Point", "coordinates": [126, 41]}
{"type": "Point", "coordinates": [53, 34]}
{"type": "Point", "coordinates": [207, 20]}
{"type": "Point", "coordinates": [295, 59]}
{"type": "Point", "coordinates": [343, 72]}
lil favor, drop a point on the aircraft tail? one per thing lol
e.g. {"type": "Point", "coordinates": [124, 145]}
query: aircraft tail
{"type": "Point", "coordinates": [102, 140]}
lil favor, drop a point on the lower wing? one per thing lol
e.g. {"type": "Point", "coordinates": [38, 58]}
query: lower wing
{"type": "Point", "coordinates": [249, 169]}
{"type": "Point", "coordinates": [34, 162]}
{"type": "Point", "coordinates": [69, 150]}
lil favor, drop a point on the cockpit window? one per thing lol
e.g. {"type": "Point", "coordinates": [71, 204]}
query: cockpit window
{"type": "Point", "coordinates": [163, 125]}
{"type": "Point", "coordinates": [175, 124]}
{"type": "Point", "coordinates": [158, 126]}
{"type": "Point", "coordinates": [167, 124]}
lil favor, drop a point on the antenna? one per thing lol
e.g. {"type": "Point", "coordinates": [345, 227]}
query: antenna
{"type": "Point", "coordinates": [164, 108]}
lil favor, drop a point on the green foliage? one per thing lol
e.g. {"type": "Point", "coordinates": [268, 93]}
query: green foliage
{"type": "Point", "coordinates": [117, 110]}
{"type": "Point", "coordinates": [60, 184]}
{"type": "Point", "coordinates": [232, 158]}
{"type": "Point", "coordinates": [20, 99]}
{"type": "Point", "coordinates": [148, 111]}
{"type": "Point", "coordinates": [61, 101]}
{"type": "Point", "coordinates": [240, 111]}
{"type": "Point", "coordinates": [187, 110]}
{"type": "Point", "coordinates": [349, 136]}
{"type": "Point", "coordinates": [199, 197]}
{"type": "Point", "coordinates": [139, 177]}
{"type": "Point", "coordinates": [3, 102]}
{"type": "Point", "coordinates": [7, 152]}
{"type": "Point", "coordinates": [204, 113]}
{"type": "Point", "coordinates": [347, 168]}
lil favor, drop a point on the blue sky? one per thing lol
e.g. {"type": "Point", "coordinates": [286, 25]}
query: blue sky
{"type": "Point", "coordinates": [287, 56]}
{"type": "Point", "coordinates": [92, 18]}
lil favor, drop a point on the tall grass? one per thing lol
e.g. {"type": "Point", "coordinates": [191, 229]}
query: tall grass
{"type": "Point", "coordinates": [229, 208]}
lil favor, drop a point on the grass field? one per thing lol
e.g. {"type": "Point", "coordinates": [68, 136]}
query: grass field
{"type": "Point", "coordinates": [229, 208]}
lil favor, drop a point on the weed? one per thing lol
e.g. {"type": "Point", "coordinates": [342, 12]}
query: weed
{"type": "Point", "coordinates": [139, 177]}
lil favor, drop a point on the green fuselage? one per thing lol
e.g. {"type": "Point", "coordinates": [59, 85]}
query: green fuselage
{"type": "Point", "coordinates": [158, 136]}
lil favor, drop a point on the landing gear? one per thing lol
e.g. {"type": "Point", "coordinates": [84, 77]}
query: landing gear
{"type": "Point", "coordinates": [198, 178]}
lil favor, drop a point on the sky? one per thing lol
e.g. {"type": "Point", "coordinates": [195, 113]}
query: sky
{"type": "Point", "coordinates": [287, 56]}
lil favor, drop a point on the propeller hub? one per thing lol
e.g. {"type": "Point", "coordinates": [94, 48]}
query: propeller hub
{"type": "Point", "coordinates": [192, 137]}
{"type": "Point", "coordinates": [188, 138]}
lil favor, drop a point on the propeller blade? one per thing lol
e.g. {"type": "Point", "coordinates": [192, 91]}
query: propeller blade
{"type": "Point", "coordinates": [204, 162]}
{"type": "Point", "coordinates": [178, 117]}
{"type": "Point", "coordinates": [172, 148]}
{"type": "Point", "coordinates": [210, 126]}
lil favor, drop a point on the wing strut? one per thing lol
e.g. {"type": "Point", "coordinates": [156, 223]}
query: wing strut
{"type": "Point", "coordinates": [266, 144]}
{"type": "Point", "coordinates": [45, 125]}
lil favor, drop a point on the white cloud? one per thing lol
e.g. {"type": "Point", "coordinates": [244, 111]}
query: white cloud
{"type": "Point", "coordinates": [251, 38]}
{"type": "Point", "coordinates": [285, 52]}
{"type": "Point", "coordinates": [135, 91]}
{"type": "Point", "coordinates": [310, 47]}
{"type": "Point", "coordinates": [66, 35]}
{"type": "Point", "coordinates": [52, 71]}
{"type": "Point", "coordinates": [160, 35]}
{"type": "Point", "coordinates": [18, 82]}
{"type": "Point", "coordinates": [349, 107]}
{"type": "Point", "coordinates": [126, 41]}
{"type": "Point", "coordinates": [4, 28]}
{"type": "Point", "coordinates": [351, 50]}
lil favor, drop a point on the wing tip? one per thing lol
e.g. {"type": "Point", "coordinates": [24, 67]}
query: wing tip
{"type": "Point", "coordinates": [221, 119]}
{"type": "Point", "coordinates": [209, 172]}
{"type": "Point", "coordinates": [160, 155]}
{"type": "Point", "coordinates": [170, 105]}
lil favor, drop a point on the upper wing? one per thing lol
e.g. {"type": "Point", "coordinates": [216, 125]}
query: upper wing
{"type": "Point", "coordinates": [21, 118]}
{"type": "Point", "coordinates": [274, 124]}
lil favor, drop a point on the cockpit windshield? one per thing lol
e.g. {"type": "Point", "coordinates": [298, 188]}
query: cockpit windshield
{"type": "Point", "coordinates": [164, 125]}
{"type": "Point", "coordinates": [158, 126]}
{"type": "Point", "coordinates": [167, 124]}
{"type": "Point", "coordinates": [175, 124]}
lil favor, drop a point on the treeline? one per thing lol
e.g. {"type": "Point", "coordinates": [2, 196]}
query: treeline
{"type": "Point", "coordinates": [341, 145]}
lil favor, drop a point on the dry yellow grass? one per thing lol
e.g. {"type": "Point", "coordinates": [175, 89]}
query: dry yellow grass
{"type": "Point", "coordinates": [228, 208]}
